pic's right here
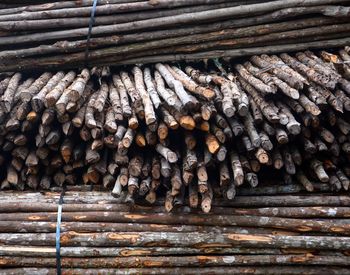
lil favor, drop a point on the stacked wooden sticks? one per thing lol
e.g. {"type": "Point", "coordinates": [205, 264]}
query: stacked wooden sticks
{"type": "Point", "coordinates": [285, 233]}
{"type": "Point", "coordinates": [54, 35]}
{"type": "Point", "coordinates": [187, 134]}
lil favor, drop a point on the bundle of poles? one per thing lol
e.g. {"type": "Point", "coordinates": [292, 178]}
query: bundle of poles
{"type": "Point", "coordinates": [55, 34]}
{"type": "Point", "coordinates": [258, 233]}
{"type": "Point", "coordinates": [186, 132]}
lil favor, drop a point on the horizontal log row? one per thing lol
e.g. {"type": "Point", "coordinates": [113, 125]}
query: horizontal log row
{"type": "Point", "coordinates": [124, 239]}
{"type": "Point", "coordinates": [214, 261]}
{"type": "Point", "coordinates": [288, 224]}
{"type": "Point", "coordinates": [98, 197]}
{"type": "Point", "coordinates": [186, 133]}
{"type": "Point", "coordinates": [132, 32]}
{"type": "Point", "coordinates": [187, 270]}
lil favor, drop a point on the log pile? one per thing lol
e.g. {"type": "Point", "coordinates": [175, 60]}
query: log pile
{"type": "Point", "coordinates": [257, 233]}
{"type": "Point", "coordinates": [54, 34]}
{"type": "Point", "coordinates": [186, 133]}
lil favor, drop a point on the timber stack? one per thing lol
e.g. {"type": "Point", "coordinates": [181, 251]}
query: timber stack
{"type": "Point", "coordinates": [186, 133]}
{"type": "Point", "coordinates": [231, 115]}
{"type": "Point", "coordinates": [286, 233]}
{"type": "Point", "coordinates": [54, 34]}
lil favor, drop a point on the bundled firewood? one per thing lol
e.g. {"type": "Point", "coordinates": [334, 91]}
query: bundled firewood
{"type": "Point", "coordinates": [255, 234]}
{"type": "Point", "coordinates": [185, 133]}
{"type": "Point", "coordinates": [71, 34]}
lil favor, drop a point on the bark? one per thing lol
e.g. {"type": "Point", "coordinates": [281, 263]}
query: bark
{"type": "Point", "coordinates": [150, 116]}
{"type": "Point", "coordinates": [176, 85]}
{"type": "Point", "coordinates": [52, 96]}
{"type": "Point", "coordinates": [182, 240]}
{"type": "Point", "coordinates": [8, 96]}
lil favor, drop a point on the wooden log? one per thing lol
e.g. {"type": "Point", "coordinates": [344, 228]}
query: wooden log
{"type": "Point", "coordinates": [311, 73]}
{"type": "Point", "coordinates": [238, 174]}
{"type": "Point", "coordinates": [250, 128]}
{"type": "Point", "coordinates": [7, 99]}
{"type": "Point", "coordinates": [256, 83]}
{"type": "Point", "coordinates": [27, 94]}
{"type": "Point", "coordinates": [124, 101]}
{"type": "Point", "coordinates": [317, 167]}
{"type": "Point", "coordinates": [133, 93]}
{"type": "Point", "coordinates": [190, 85]}
{"type": "Point", "coordinates": [151, 89]}
{"type": "Point", "coordinates": [166, 153]}
{"type": "Point", "coordinates": [52, 96]}
{"type": "Point", "coordinates": [150, 116]}
{"type": "Point", "coordinates": [212, 143]}
{"type": "Point", "coordinates": [265, 108]}
{"type": "Point", "coordinates": [183, 239]}
{"type": "Point", "coordinates": [267, 63]}
{"type": "Point", "coordinates": [176, 85]}
{"type": "Point", "coordinates": [173, 261]}
{"type": "Point", "coordinates": [204, 270]}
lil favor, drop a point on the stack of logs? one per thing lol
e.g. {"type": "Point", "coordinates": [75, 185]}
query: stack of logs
{"type": "Point", "coordinates": [255, 234]}
{"type": "Point", "coordinates": [181, 132]}
{"type": "Point", "coordinates": [54, 34]}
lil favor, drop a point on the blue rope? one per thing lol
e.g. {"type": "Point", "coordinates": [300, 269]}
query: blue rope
{"type": "Point", "coordinates": [58, 232]}
{"type": "Point", "coordinates": [91, 23]}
